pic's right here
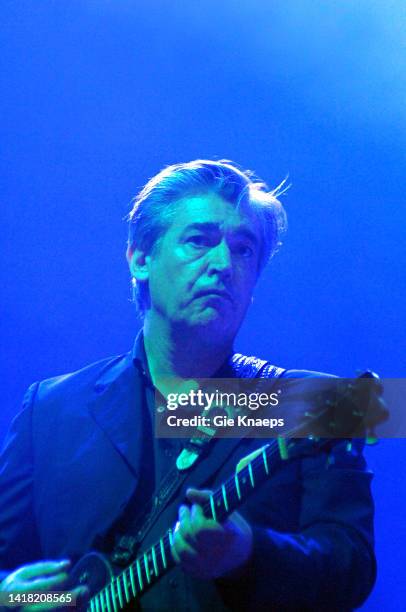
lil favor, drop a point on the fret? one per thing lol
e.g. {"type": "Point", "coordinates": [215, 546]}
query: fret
{"type": "Point", "coordinates": [103, 606]}
{"type": "Point", "coordinates": [213, 509]}
{"type": "Point", "coordinates": [243, 481]}
{"type": "Point", "coordinates": [237, 485]}
{"type": "Point", "coordinates": [146, 566]}
{"type": "Point", "coordinates": [223, 490]}
{"type": "Point", "coordinates": [140, 582]}
{"type": "Point", "coordinates": [265, 459]}
{"type": "Point", "coordinates": [112, 595]}
{"type": "Point", "coordinates": [107, 596]}
{"type": "Point", "coordinates": [251, 475]}
{"type": "Point", "coordinates": [119, 592]}
{"type": "Point", "coordinates": [163, 553]}
{"type": "Point", "coordinates": [131, 568]}
{"type": "Point", "coordinates": [218, 500]}
{"type": "Point", "coordinates": [92, 606]}
{"type": "Point", "coordinates": [126, 591]}
{"type": "Point", "coordinates": [283, 448]}
{"type": "Point", "coordinates": [153, 554]}
{"type": "Point", "coordinates": [97, 604]}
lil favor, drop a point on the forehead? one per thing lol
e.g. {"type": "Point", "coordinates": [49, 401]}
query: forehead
{"type": "Point", "coordinates": [214, 212]}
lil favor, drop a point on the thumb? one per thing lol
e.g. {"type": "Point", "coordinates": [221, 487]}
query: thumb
{"type": "Point", "coordinates": [198, 496]}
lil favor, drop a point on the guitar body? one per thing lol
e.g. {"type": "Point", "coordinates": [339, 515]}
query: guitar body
{"type": "Point", "coordinates": [92, 570]}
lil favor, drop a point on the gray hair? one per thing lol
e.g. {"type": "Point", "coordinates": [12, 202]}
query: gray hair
{"type": "Point", "coordinates": [153, 208]}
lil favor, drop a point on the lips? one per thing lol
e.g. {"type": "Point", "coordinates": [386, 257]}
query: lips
{"type": "Point", "coordinates": [213, 293]}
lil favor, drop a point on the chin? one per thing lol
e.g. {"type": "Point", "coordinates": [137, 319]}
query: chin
{"type": "Point", "coordinates": [213, 327]}
{"type": "Point", "coordinates": [208, 317]}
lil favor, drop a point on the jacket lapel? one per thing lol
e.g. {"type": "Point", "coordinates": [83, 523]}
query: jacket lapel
{"type": "Point", "coordinates": [116, 407]}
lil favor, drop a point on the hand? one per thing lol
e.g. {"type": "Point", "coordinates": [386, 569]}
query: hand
{"type": "Point", "coordinates": [43, 576]}
{"type": "Point", "coordinates": [205, 548]}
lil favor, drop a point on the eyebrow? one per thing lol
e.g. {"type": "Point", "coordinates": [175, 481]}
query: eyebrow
{"type": "Point", "coordinates": [209, 226]}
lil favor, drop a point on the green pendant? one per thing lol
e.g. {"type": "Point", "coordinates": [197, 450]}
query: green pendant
{"type": "Point", "coordinates": [186, 459]}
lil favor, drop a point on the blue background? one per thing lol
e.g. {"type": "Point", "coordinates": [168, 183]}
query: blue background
{"type": "Point", "coordinates": [97, 96]}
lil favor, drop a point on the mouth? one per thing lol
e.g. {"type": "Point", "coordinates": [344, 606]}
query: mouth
{"type": "Point", "coordinates": [214, 293]}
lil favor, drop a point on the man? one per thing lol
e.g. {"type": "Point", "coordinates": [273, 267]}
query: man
{"type": "Point", "coordinates": [82, 451]}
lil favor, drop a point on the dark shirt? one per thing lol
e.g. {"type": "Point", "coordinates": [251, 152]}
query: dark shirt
{"type": "Point", "coordinates": [159, 454]}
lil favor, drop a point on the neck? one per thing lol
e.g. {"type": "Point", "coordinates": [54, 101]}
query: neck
{"type": "Point", "coordinates": [180, 353]}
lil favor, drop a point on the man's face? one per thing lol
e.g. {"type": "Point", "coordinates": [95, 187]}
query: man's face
{"type": "Point", "coordinates": [204, 269]}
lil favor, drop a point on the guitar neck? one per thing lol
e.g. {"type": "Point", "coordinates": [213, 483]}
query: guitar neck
{"type": "Point", "coordinates": [156, 561]}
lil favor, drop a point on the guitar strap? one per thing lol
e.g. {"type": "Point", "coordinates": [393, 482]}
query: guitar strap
{"type": "Point", "coordinates": [126, 544]}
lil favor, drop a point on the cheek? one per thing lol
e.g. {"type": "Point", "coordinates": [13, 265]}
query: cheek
{"type": "Point", "coordinates": [168, 283]}
{"type": "Point", "coordinates": [247, 284]}
{"type": "Point", "coordinates": [160, 283]}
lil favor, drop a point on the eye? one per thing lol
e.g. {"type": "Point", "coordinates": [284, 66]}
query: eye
{"type": "Point", "coordinates": [198, 240]}
{"type": "Point", "coordinates": [243, 250]}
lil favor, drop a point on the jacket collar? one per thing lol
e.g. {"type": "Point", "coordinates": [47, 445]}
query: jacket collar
{"type": "Point", "coordinates": [115, 406]}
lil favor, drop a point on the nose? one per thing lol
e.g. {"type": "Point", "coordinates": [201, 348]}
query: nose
{"type": "Point", "coordinates": [220, 260]}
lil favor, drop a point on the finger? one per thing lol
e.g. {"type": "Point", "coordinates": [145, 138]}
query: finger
{"type": "Point", "coordinates": [183, 518]}
{"type": "Point", "coordinates": [198, 496]}
{"type": "Point", "coordinates": [82, 595]}
{"type": "Point", "coordinates": [206, 532]}
{"type": "Point", "coordinates": [45, 584]}
{"type": "Point", "coordinates": [196, 521]}
{"type": "Point", "coordinates": [185, 526]}
{"type": "Point", "coordinates": [43, 567]}
{"type": "Point", "coordinates": [201, 523]}
{"type": "Point", "coordinates": [181, 550]}
{"type": "Point", "coordinates": [197, 517]}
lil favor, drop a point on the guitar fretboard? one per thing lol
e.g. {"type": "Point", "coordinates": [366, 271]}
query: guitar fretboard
{"type": "Point", "coordinates": [157, 560]}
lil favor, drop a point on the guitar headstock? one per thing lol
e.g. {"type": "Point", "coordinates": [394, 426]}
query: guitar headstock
{"type": "Point", "coordinates": [346, 408]}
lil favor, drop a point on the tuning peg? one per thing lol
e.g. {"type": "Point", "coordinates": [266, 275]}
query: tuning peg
{"type": "Point", "coordinates": [368, 374]}
{"type": "Point", "coordinates": [375, 376]}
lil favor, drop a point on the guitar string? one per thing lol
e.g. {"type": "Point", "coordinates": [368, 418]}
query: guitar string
{"type": "Point", "coordinates": [229, 486]}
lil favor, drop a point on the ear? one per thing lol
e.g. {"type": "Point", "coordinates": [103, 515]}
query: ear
{"type": "Point", "coordinates": [138, 264]}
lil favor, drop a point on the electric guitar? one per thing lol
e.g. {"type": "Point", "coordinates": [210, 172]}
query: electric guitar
{"type": "Point", "coordinates": [111, 591]}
